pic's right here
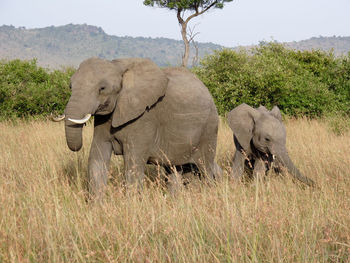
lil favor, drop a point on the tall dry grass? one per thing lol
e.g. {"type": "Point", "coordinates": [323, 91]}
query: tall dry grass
{"type": "Point", "coordinates": [44, 216]}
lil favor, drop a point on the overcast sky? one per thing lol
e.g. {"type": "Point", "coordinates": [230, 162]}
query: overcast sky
{"type": "Point", "coordinates": [241, 22]}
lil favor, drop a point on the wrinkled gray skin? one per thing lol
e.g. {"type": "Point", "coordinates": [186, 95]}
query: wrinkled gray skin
{"type": "Point", "coordinates": [144, 113]}
{"type": "Point", "coordinates": [260, 140]}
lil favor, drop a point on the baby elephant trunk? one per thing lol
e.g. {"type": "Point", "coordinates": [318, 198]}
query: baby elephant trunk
{"type": "Point", "coordinates": [284, 159]}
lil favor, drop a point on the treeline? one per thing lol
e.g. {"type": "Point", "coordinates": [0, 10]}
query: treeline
{"type": "Point", "coordinates": [301, 83]}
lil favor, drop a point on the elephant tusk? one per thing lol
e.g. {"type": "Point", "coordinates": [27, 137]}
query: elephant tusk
{"type": "Point", "coordinates": [58, 118]}
{"type": "Point", "coordinates": [273, 157]}
{"type": "Point", "coordinates": [81, 121]}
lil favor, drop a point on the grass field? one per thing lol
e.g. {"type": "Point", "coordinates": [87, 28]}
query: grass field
{"type": "Point", "coordinates": [44, 216]}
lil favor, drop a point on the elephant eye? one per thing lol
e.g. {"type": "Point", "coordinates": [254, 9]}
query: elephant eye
{"type": "Point", "coordinates": [267, 139]}
{"type": "Point", "coordinates": [102, 88]}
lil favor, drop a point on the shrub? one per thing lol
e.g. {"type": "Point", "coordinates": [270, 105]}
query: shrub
{"type": "Point", "coordinates": [307, 83]}
{"type": "Point", "coordinates": [29, 90]}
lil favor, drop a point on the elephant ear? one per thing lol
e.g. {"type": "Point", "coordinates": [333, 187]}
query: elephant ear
{"type": "Point", "coordinates": [242, 120]}
{"type": "Point", "coordinates": [142, 85]}
{"type": "Point", "coordinates": [275, 112]}
{"type": "Point", "coordinates": [263, 109]}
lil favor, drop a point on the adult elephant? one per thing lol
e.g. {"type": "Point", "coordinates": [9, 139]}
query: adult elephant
{"type": "Point", "coordinates": [147, 114]}
{"type": "Point", "coordinates": [260, 140]}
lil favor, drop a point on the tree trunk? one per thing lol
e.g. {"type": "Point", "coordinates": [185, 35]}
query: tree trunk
{"type": "Point", "coordinates": [183, 24]}
{"type": "Point", "coordinates": [187, 44]}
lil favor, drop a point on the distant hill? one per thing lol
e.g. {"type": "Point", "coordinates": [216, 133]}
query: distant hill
{"type": "Point", "coordinates": [339, 45]}
{"type": "Point", "coordinates": [70, 44]}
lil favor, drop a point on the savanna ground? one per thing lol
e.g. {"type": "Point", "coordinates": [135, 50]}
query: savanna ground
{"type": "Point", "coordinates": [44, 216]}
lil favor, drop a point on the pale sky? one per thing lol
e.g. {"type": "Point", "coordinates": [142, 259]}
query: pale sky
{"type": "Point", "coordinates": [241, 22]}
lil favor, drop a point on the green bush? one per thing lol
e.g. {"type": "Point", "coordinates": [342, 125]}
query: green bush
{"type": "Point", "coordinates": [309, 83]}
{"type": "Point", "coordinates": [27, 90]}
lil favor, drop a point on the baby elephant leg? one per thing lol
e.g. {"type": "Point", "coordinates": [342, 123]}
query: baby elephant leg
{"type": "Point", "coordinates": [259, 169]}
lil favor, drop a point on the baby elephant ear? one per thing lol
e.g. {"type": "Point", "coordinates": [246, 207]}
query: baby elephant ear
{"type": "Point", "coordinates": [242, 120]}
{"type": "Point", "coordinates": [142, 85]}
{"type": "Point", "coordinates": [276, 113]}
{"type": "Point", "coordinates": [263, 109]}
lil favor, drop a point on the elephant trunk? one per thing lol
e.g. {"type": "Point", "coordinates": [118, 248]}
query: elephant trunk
{"type": "Point", "coordinates": [284, 159]}
{"type": "Point", "coordinates": [73, 131]}
{"type": "Point", "coordinates": [74, 135]}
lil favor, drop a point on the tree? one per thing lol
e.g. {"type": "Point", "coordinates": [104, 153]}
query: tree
{"type": "Point", "coordinates": [195, 7]}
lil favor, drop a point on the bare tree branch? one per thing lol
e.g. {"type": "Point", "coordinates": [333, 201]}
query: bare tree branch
{"type": "Point", "coordinates": [191, 34]}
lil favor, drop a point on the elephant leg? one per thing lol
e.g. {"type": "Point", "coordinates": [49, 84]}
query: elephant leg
{"type": "Point", "coordinates": [204, 157]}
{"type": "Point", "coordinates": [208, 168]}
{"type": "Point", "coordinates": [134, 167]}
{"type": "Point", "coordinates": [134, 172]}
{"type": "Point", "coordinates": [238, 165]}
{"type": "Point", "coordinates": [138, 139]}
{"type": "Point", "coordinates": [217, 172]}
{"type": "Point", "coordinates": [174, 183]}
{"type": "Point", "coordinates": [99, 159]}
{"type": "Point", "coordinates": [259, 169]}
{"type": "Point", "coordinates": [203, 154]}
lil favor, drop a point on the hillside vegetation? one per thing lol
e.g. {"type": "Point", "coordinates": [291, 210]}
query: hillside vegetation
{"type": "Point", "coordinates": [69, 45]}
{"type": "Point", "coordinates": [339, 45]}
{"type": "Point", "coordinates": [308, 83]}
{"type": "Point", "coordinates": [44, 216]}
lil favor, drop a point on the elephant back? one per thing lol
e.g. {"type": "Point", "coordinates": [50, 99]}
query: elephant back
{"type": "Point", "coordinates": [186, 93]}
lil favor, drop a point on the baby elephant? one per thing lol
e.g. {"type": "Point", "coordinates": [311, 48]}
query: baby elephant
{"type": "Point", "coordinates": [260, 140]}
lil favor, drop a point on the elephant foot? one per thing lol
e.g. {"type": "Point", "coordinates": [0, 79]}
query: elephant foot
{"type": "Point", "coordinates": [236, 174]}
{"type": "Point", "coordinates": [213, 175]}
{"type": "Point", "coordinates": [174, 183]}
{"type": "Point", "coordinates": [134, 182]}
{"type": "Point", "coordinates": [97, 187]}
{"type": "Point", "coordinates": [96, 197]}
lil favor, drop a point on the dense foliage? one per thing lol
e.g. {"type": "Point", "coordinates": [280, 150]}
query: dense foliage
{"type": "Point", "coordinates": [29, 90]}
{"type": "Point", "coordinates": [301, 83]}
{"type": "Point", "coordinates": [311, 83]}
